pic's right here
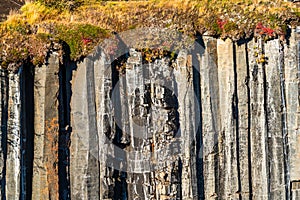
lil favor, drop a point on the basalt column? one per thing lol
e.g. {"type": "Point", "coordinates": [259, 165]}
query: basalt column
{"type": "Point", "coordinates": [3, 130]}
{"type": "Point", "coordinates": [220, 121]}
{"type": "Point", "coordinates": [291, 131]}
{"type": "Point", "coordinates": [13, 161]}
{"type": "Point", "coordinates": [45, 167]}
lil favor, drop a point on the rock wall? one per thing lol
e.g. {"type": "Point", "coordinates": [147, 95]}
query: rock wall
{"type": "Point", "coordinates": [222, 123]}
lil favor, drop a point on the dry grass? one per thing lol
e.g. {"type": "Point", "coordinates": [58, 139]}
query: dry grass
{"type": "Point", "coordinates": [94, 20]}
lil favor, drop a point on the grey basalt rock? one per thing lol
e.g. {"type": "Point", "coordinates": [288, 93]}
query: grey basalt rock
{"type": "Point", "coordinates": [216, 122]}
{"type": "Point", "coordinates": [13, 163]}
{"type": "Point", "coordinates": [4, 110]}
{"type": "Point", "coordinates": [291, 77]}
{"type": "Point", "coordinates": [45, 161]}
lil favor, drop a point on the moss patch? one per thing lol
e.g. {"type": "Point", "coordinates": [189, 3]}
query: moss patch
{"type": "Point", "coordinates": [81, 38]}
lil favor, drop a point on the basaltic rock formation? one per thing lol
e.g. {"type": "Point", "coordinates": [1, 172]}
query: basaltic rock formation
{"type": "Point", "coordinates": [216, 119]}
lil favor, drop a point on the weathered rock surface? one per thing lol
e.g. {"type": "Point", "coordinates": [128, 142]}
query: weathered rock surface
{"type": "Point", "coordinates": [46, 123]}
{"type": "Point", "coordinates": [221, 123]}
{"type": "Point", "coordinates": [13, 168]}
{"type": "Point", "coordinates": [291, 112]}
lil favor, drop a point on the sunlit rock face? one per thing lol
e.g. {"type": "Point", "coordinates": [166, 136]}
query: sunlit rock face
{"type": "Point", "coordinates": [216, 122]}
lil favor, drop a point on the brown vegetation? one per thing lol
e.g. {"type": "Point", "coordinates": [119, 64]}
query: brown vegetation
{"type": "Point", "coordinates": [87, 23]}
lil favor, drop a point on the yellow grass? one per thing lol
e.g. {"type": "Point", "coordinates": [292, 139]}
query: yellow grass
{"type": "Point", "coordinates": [235, 19]}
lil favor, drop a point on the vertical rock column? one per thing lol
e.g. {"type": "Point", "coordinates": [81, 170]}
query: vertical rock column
{"type": "Point", "coordinates": [274, 112]}
{"type": "Point", "coordinates": [158, 107]}
{"type": "Point", "coordinates": [292, 93]}
{"type": "Point", "coordinates": [229, 176]}
{"type": "Point", "coordinates": [88, 181]}
{"type": "Point", "coordinates": [150, 119]}
{"type": "Point", "coordinates": [258, 128]}
{"type": "Point", "coordinates": [93, 157]}
{"type": "Point", "coordinates": [138, 127]}
{"type": "Point", "coordinates": [160, 82]}
{"type": "Point", "coordinates": [184, 91]}
{"type": "Point", "coordinates": [27, 129]}
{"type": "Point", "coordinates": [210, 120]}
{"type": "Point", "coordinates": [80, 135]}
{"type": "Point", "coordinates": [39, 171]}
{"type": "Point", "coordinates": [3, 130]}
{"type": "Point", "coordinates": [13, 137]}
{"type": "Point", "coordinates": [102, 77]}
{"type": "Point", "coordinates": [243, 132]}
{"type": "Point", "coordinates": [45, 167]}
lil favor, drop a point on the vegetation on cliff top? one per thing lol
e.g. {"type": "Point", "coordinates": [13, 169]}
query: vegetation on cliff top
{"type": "Point", "coordinates": [40, 26]}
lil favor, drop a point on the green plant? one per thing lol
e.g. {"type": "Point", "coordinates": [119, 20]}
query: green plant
{"type": "Point", "coordinates": [80, 37]}
{"type": "Point", "coordinates": [62, 4]}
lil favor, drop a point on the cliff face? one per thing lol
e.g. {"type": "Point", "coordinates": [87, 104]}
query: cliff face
{"type": "Point", "coordinates": [222, 123]}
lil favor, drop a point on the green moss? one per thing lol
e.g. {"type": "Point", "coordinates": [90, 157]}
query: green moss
{"type": "Point", "coordinates": [229, 26]}
{"type": "Point", "coordinates": [19, 26]}
{"type": "Point", "coordinates": [132, 27]}
{"type": "Point", "coordinates": [215, 27]}
{"type": "Point", "coordinates": [273, 17]}
{"type": "Point", "coordinates": [79, 37]}
{"type": "Point", "coordinates": [297, 12]}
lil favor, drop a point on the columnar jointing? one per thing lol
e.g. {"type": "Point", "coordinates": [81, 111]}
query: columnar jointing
{"type": "Point", "coordinates": [65, 127]}
{"type": "Point", "coordinates": [3, 130]}
{"type": "Point", "coordinates": [13, 162]}
{"type": "Point", "coordinates": [27, 130]}
{"type": "Point", "coordinates": [209, 122]}
{"type": "Point", "coordinates": [197, 52]}
{"type": "Point", "coordinates": [119, 133]}
{"type": "Point", "coordinates": [275, 104]}
{"type": "Point", "coordinates": [292, 93]}
{"type": "Point", "coordinates": [286, 157]}
{"type": "Point", "coordinates": [223, 123]}
{"type": "Point", "coordinates": [46, 131]}
{"type": "Point", "coordinates": [236, 113]}
{"type": "Point", "coordinates": [248, 128]}
{"type": "Point", "coordinates": [241, 59]}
